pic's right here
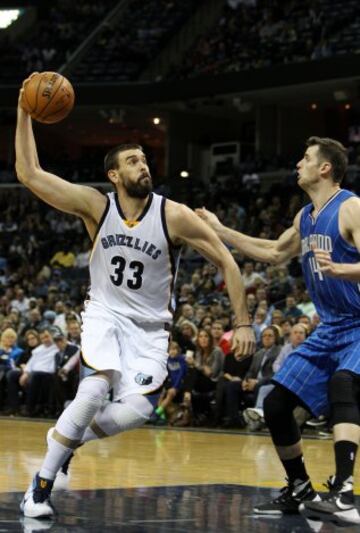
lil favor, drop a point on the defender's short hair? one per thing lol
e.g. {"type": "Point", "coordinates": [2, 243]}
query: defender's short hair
{"type": "Point", "coordinates": [334, 152]}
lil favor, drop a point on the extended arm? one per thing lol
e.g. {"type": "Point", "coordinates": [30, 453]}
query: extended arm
{"type": "Point", "coordinates": [82, 201]}
{"type": "Point", "coordinates": [264, 250]}
{"type": "Point", "coordinates": [349, 225]}
{"type": "Point", "coordinates": [185, 226]}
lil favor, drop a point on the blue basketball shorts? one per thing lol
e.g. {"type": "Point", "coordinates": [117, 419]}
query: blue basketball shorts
{"type": "Point", "coordinates": [307, 370]}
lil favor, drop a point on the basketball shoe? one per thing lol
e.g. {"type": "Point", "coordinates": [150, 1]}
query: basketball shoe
{"type": "Point", "coordinates": [338, 506]}
{"type": "Point", "coordinates": [289, 499]}
{"type": "Point", "coordinates": [36, 501]}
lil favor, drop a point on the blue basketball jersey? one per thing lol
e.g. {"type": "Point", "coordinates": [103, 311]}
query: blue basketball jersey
{"type": "Point", "coordinates": [335, 300]}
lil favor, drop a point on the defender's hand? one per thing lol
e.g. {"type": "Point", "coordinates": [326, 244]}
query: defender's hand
{"type": "Point", "coordinates": [243, 343]}
{"type": "Point", "coordinates": [210, 218]}
{"type": "Point", "coordinates": [325, 263]}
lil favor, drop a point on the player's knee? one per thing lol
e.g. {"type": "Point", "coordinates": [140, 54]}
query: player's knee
{"type": "Point", "coordinates": [343, 387]}
{"type": "Point", "coordinates": [343, 393]}
{"type": "Point", "coordinates": [274, 406]}
{"type": "Point", "coordinates": [128, 414]}
{"type": "Point", "coordinates": [92, 391]}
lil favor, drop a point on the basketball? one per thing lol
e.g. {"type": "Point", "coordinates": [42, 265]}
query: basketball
{"type": "Point", "coordinates": [48, 97]}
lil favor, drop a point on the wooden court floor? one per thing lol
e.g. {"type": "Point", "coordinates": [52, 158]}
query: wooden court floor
{"type": "Point", "coordinates": [157, 457]}
{"type": "Point", "coordinates": [158, 480]}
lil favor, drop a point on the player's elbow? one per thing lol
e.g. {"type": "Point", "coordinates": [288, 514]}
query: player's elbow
{"type": "Point", "coordinates": [274, 258]}
{"type": "Point", "coordinates": [24, 172]}
{"type": "Point", "coordinates": [20, 172]}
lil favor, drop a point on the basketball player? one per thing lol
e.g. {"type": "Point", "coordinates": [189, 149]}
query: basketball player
{"type": "Point", "coordinates": [326, 367]}
{"type": "Point", "coordinates": [136, 237]}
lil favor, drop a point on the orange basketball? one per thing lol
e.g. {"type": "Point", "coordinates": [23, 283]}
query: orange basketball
{"type": "Point", "coordinates": [48, 97]}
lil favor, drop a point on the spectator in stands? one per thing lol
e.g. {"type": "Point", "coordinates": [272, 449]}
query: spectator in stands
{"type": "Point", "coordinates": [217, 333]}
{"type": "Point", "coordinates": [261, 369]}
{"type": "Point", "coordinates": [305, 305]}
{"type": "Point", "coordinates": [254, 416]}
{"type": "Point", "coordinates": [38, 376]}
{"type": "Point", "coordinates": [195, 283]}
{"type": "Point", "coordinates": [185, 295]}
{"type": "Point", "coordinates": [250, 277]}
{"type": "Point", "coordinates": [82, 257]}
{"type": "Point", "coordinates": [20, 302]}
{"type": "Point", "coordinates": [204, 370]}
{"type": "Point", "coordinates": [64, 258]}
{"type": "Point", "coordinates": [9, 354]}
{"type": "Point", "coordinates": [14, 389]}
{"type": "Point", "coordinates": [277, 317]}
{"type": "Point", "coordinates": [173, 385]}
{"type": "Point", "coordinates": [206, 322]}
{"type": "Point", "coordinates": [186, 336]}
{"type": "Point", "coordinates": [74, 331]}
{"type": "Point", "coordinates": [291, 310]}
{"type": "Point", "coordinates": [286, 326]}
{"type": "Point", "coordinates": [200, 312]}
{"type": "Point", "coordinates": [186, 313]}
{"type": "Point", "coordinates": [251, 303]}
{"type": "Point", "coordinates": [66, 376]}
{"type": "Point", "coordinates": [60, 319]}
{"type": "Point", "coordinates": [304, 319]}
{"type": "Point", "coordinates": [259, 323]}
{"type": "Point", "coordinates": [33, 322]}
{"type": "Point", "coordinates": [229, 393]}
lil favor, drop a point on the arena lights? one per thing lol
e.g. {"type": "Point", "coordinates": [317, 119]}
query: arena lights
{"type": "Point", "coordinates": [156, 120]}
{"type": "Point", "coordinates": [8, 16]}
{"type": "Point", "coordinates": [184, 174]}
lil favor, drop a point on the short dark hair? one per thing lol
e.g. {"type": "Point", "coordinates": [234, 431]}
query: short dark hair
{"type": "Point", "coordinates": [334, 152]}
{"type": "Point", "coordinates": [111, 160]}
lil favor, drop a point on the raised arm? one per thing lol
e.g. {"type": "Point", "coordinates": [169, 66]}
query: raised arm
{"type": "Point", "coordinates": [185, 227]}
{"type": "Point", "coordinates": [85, 202]}
{"type": "Point", "coordinates": [275, 252]}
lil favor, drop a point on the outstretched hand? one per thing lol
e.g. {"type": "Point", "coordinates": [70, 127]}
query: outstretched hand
{"type": "Point", "coordinates": [210, 218]}
{"type": "Point", "coordinates": [243, 343]}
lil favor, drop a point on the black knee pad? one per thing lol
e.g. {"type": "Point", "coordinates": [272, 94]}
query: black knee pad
{"type": "Point", "coordinates": [344, 388]}
{"type": "Point", "coordinates": [279, 408]}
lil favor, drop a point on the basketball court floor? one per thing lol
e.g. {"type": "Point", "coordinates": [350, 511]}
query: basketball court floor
{"type": "Point", "coordinates": [158, 480]}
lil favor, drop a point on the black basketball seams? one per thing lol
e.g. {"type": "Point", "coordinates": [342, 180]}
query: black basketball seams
{"type": "Point", "coordinates": [38, 115]}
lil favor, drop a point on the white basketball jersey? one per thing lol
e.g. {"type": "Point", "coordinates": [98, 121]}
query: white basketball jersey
{"type": "Point", "coordinates": [133, 265]}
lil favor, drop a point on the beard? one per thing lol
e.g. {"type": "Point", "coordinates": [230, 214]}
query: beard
{"type": "Point", "coordinates": [141, 189]}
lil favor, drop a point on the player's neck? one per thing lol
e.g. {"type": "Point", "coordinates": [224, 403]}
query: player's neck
{"type": "Point", "coordinates": [321, 196]}
{"type": "Point", "coordinates": [132, 207]}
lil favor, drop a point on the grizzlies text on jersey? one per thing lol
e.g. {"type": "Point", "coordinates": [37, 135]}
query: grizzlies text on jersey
{"type": "Point", "coordinates": [133, 265]}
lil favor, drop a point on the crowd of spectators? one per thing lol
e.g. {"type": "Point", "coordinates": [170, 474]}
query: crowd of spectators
{"type": "Point", "coordinates": [126, 46]}
{"type": "Point", "coordinates": [263, 33]}
{"type": "Point", "coordinates": [44, 280]}
{"type": "Point", "coordinates": [248, 35]}
{"type": "Point", "coordinates": [59, 30]}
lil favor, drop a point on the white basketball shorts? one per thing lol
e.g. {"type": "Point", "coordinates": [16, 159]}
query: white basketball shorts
{"type": "Point", "coordinates": [138, 352]}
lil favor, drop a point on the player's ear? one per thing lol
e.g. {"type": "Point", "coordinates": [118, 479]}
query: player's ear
{"type": "Point", "coordinates": [325, 167]}
{"type": "Point", "coordinates": [112, 176]}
